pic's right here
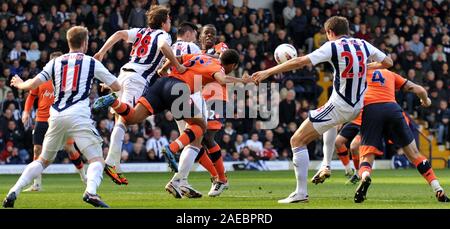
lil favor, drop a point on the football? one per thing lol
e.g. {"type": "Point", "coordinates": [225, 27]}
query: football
{"type": "Point", "coordinates": [284, 52]}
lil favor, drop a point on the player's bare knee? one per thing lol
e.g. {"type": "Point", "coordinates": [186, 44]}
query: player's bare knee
{"type": "Point", "coordinates": [296, 141]}
{"type": "Point", "coordinates": [354, 148]}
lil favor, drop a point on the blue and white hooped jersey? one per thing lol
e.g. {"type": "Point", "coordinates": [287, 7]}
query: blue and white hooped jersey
{"type": "Point", "coordinates": [145, 56]}
{"type": "Point", "coordinates": [349, 58]}
{"type": "Point", "coordinates": [72, 75]}
{"type": "Point", "coordinates": [180, 48]}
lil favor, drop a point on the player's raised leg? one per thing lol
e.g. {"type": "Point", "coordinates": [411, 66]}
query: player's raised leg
{"type": "Point", "coordinates": [112, 161]}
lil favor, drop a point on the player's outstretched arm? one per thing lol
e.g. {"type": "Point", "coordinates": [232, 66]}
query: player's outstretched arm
{"type": "Point", "coordinates": [117, 36]}
{"type": "Point", "coordinates": [419, 91]}
{"type": "Point", "coordinates": [168, 53]}
{"type": "Point", "coordinates": [386, 63]}
{"type": "Point", "coordinates": [223, 79]}
{"type": "Point", "coordinates": [289, 65]}
{"type": "Point", "coordinates": [17, 82]}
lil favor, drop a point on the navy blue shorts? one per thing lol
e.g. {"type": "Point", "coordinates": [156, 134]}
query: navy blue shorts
{"type": "Point", "coordinates": [39, 132]}
{"type": "Point", "coordinates": [159, 97]}
{"type": "Point", "coordinates": [383, 121]}
{"type": "Point", "coordinates": [349, 131]}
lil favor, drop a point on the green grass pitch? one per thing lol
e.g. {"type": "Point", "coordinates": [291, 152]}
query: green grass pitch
{"type": "Point", "coordinates": [248, 189]}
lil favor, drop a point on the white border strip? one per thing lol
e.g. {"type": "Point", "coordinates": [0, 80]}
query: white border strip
{"type": "Point", "coordinates": [162, 167]}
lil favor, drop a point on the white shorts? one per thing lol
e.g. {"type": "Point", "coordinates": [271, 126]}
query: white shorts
{"type": "Point", "coordinates": [133, 84]}
{"type": "Point", "coordinates": [200, 106]}
{"type": "Point", "coordinates": [81, 129]}
{"type": "Point", "coordinates": [332, 114]}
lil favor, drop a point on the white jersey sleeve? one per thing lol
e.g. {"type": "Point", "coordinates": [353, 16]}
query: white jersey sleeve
{"type": "Point", "coordinates": [47, 72]}
{"type": "Point", "coordinates": [322, 54]}
{"type": "Point", "coordinates": [195, 49]}
{"type": "Point", "coordinates": [164, 38]}
{"type": "Point", "coordinates": [132, 34]}
{"type": "Point", "coordinates": [102, 74]}
{"type": "Point", "coordinates": [374, 53]}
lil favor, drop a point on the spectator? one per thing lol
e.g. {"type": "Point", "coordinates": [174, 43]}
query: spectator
{"type": "Point", "coordinates": [442, 120]}
{"type": "Point", "coordinates": [156, 143]}
{"type": "Point", "coordinates": [4, 90]}
{"type": "Point", "coordinates": [17, 51]}
{"type": "Point", "coordinates": [289, 12]}
{"type": "Point", "coordinates": [268, 154]}
{"type": "Point", "coordinates": [127, 144]}
{"type": "Point", "coordinates": [138, 154]}
{"type": "Point", "coordinates": [227, 144]}
{"type": "Point", "coordinates": [254, 144]}
{"type": "Point", "coordinates": [137, 18]}
{"type": "Point", "coordinates": [33, 54]}
{"type": "Point", "coordinates": [288, 108]}
{"type": "Point", "coordinates": [416, 45]}
{"type": "Point", "coordinates": [239, 143]}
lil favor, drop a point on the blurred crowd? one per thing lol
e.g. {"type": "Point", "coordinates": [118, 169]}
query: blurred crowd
{"type": "Point", "coordinates": [415, 33]}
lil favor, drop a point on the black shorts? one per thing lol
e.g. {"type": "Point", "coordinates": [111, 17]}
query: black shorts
{"type": "Point", "coordinates": [163, 93]}
{"type": "Point", "coordinates": [383, 121]}
{"type": "Point", "coordinates": [349, 131]}
{"type": "Point", "coordinates": [39, 132]}
{"type": "Point", "coordinates": [216, 116]}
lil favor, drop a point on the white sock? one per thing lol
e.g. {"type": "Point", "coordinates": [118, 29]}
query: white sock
{"type": "Point", "coordinates": [329, 138]}
{"type": "Point", "coordinates": [94, 176]}
{"type": "Point", "coordinates": [38, 181]}
{"type": "Point", "coordinates": [435, 185]}
{"type": "Point", "coordinates": [365, 174]}
{"type": "Point", "coordinates": [32, 170]}
{"type": "Point", "coordinates": [115, 146]}
{"type": "Point", "coordinates": [301, 164]}
{"type": "Point", "coordinates": [187, 160]}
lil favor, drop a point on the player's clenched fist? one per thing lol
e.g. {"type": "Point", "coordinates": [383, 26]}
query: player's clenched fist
{"type": "Point", "coordinates": [426, 103]}
{"type": "Point", "coordinates": [260, 76]}
{"type": "Point", "coordinates": [16, 80]}
{"type": "Point", "coordinates": [99, 56]}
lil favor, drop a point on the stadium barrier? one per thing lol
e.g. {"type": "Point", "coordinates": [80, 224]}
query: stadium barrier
{"type": "Point", "coordinates": [162, 167]}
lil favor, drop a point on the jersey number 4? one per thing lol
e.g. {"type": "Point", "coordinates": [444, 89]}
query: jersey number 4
{"type": "Point", "coordinates": [76, 72]}
{"type": "Point", "coordinates": [140, 47]}
{"type": "Point", "coordinates": [378, 77]}
{"type": "Point", "coordinates": [361, 62]}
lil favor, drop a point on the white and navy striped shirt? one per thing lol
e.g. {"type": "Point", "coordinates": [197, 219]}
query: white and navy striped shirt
{"type": "Point", "coordinates": [349, 58]}
{"type": "Point", "coordinates": [180, 48]}
{"type": "Point", "coordinates": [72, 75]}
{"type": "Point", "coordinates": [146, 57]}
{"type": "Point", "coordinates": [156, 145]}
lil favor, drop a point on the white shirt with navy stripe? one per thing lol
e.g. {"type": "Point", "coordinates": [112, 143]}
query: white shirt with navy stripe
{"type": "Point", "coordinates": [145, 56]}
{"type": "Point", "coordinates": [349, 58]}
{"type": "Point", "coordinates": [180, 48]}
{"type": "Point", "coordinates": [72, 75]}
